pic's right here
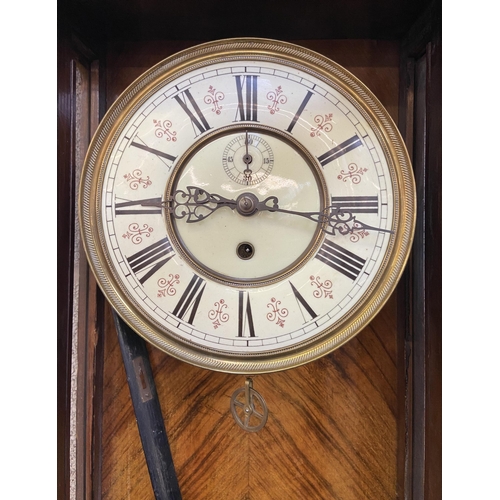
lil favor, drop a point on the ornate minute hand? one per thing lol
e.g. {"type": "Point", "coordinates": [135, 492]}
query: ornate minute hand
{"type": "Point", "coordinates": [334, 219]}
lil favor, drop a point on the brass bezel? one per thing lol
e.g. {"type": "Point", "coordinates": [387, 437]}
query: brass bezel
{"type": "Point", "coordinates": [324, 69]}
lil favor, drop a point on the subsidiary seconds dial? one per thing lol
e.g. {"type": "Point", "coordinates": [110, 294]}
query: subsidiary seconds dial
{"type": "Point", "coordinates": [248, 159]}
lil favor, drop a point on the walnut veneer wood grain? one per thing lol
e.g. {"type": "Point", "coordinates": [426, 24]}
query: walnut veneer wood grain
{"type": "Point", "coordinates": [331, 431]}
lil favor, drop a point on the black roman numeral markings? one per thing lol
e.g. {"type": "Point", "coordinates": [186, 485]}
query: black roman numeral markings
{"type": "Point", "coordinates": [299, 111]}
{"type": "Point", "coordinates": [340, 259]}
{"type": "Point", "coordinates": [246, 88]}
{"type": "Point", "coordinates": [156, 152]}
{"type": "Point", "coordinates": [302, 302]}
{"type": "Point", "coordinates": [137, 208]}
{"type": "Point", "coordinates": [147, 261]}
{"type": "Point", "coordinates": [245, 318]}
{"type": "Point", "coordinates": [340, 150]}
{"type": "Point", "coordinates": [190, 299]}
{"type": "Point", "coordinates": [355, 204]}
{"type": "Point", "coordinates": [190, 106]}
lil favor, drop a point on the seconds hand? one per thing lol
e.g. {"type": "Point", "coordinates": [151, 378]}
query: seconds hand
{"type": "Point", "coordinates": [247, 159]}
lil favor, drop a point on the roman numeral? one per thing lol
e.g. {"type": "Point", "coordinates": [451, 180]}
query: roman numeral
{"type": "Point", "coordinates": [340, 150]}
{"type": "Point", "coordinates": [340, 259]}
{"type": "Point", "coordinates": [137, 208]}
{"type": "Point", "coordinates": [355, 204]}
{"type": "Point", "coordinates": [245, 319]}
{"type": "Point", "coordinates": [299, 111]}
{"type": "Point", "coordinates": [150, 259]}
{"type": "Point", "coordinates": [246, 88]}
{"type": "Point", "coordinates": [190, 299]}
{"type": "Point", "coordinates": [302, 302]}
{"type": "Point", "coordinates": [156, 152]}
{"type": "Point", "coordinates": [185, 100]}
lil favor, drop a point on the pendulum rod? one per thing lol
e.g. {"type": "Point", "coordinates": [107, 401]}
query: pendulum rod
{"type": "Point", "coordinates": [148, 413]}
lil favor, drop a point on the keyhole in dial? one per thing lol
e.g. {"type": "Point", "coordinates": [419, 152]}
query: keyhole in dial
{"type": "Point", "coordinates": [245, 251]}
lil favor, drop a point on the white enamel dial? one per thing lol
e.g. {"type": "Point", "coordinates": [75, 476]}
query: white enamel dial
{"type": "Point", "coordinates": [247, 212]}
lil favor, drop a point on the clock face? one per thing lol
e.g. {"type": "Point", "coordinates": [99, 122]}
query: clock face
{"type": "Point", "coordinates": [247, 205]}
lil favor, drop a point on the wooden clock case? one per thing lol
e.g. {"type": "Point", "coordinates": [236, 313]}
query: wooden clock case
{"type": "Point", "coordinates": [361, 423]}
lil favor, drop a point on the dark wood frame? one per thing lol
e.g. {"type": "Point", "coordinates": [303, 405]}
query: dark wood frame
{"type": "Point", "coordinates": [420, 377]}
{"type": "Point", "coordinates": [419, 457]}
{"type": "Point", "coordinates": [80, 106]}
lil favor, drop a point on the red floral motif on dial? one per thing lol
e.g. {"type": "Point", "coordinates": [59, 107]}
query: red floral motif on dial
{"type": "Point", "coordinates": [217, 315]}
{"type": "Point", "coordinates": [135, 232]}
{"type": "Point", "coordinates": [167, 286]}
{"type": "Point", "coordinates": [277, 314]}
{"type": "Point", "coordinates": [354, 173]}
{"type": "Point", "coordinates": [323, 289]}
{"type": "Point", "coordinates": [163, 130]}
{"type": "Point", "coordinates": [135, 180]}
{"type": "Point", "coordinates": [214, 97]}
{"type": "Point", "coordinates": [276, 97]}
{"type": "Point", "coordinates": [358, 233]}
{"type": "Point", "coordinates": [324, 124]}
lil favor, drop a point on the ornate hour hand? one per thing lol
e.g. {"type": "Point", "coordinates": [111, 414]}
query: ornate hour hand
{"type": "Point", "coordinates": [194, 204]}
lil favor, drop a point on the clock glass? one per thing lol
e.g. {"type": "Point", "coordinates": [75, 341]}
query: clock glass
{"type": "Point", "coordinates": [247, 205]}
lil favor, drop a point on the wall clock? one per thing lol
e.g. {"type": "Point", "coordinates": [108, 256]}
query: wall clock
{"type": "Point", "coordinates": [247, 205]}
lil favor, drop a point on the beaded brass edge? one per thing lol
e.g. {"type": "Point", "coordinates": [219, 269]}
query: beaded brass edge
{"type": "Point", "coordinates": [325, 70]}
